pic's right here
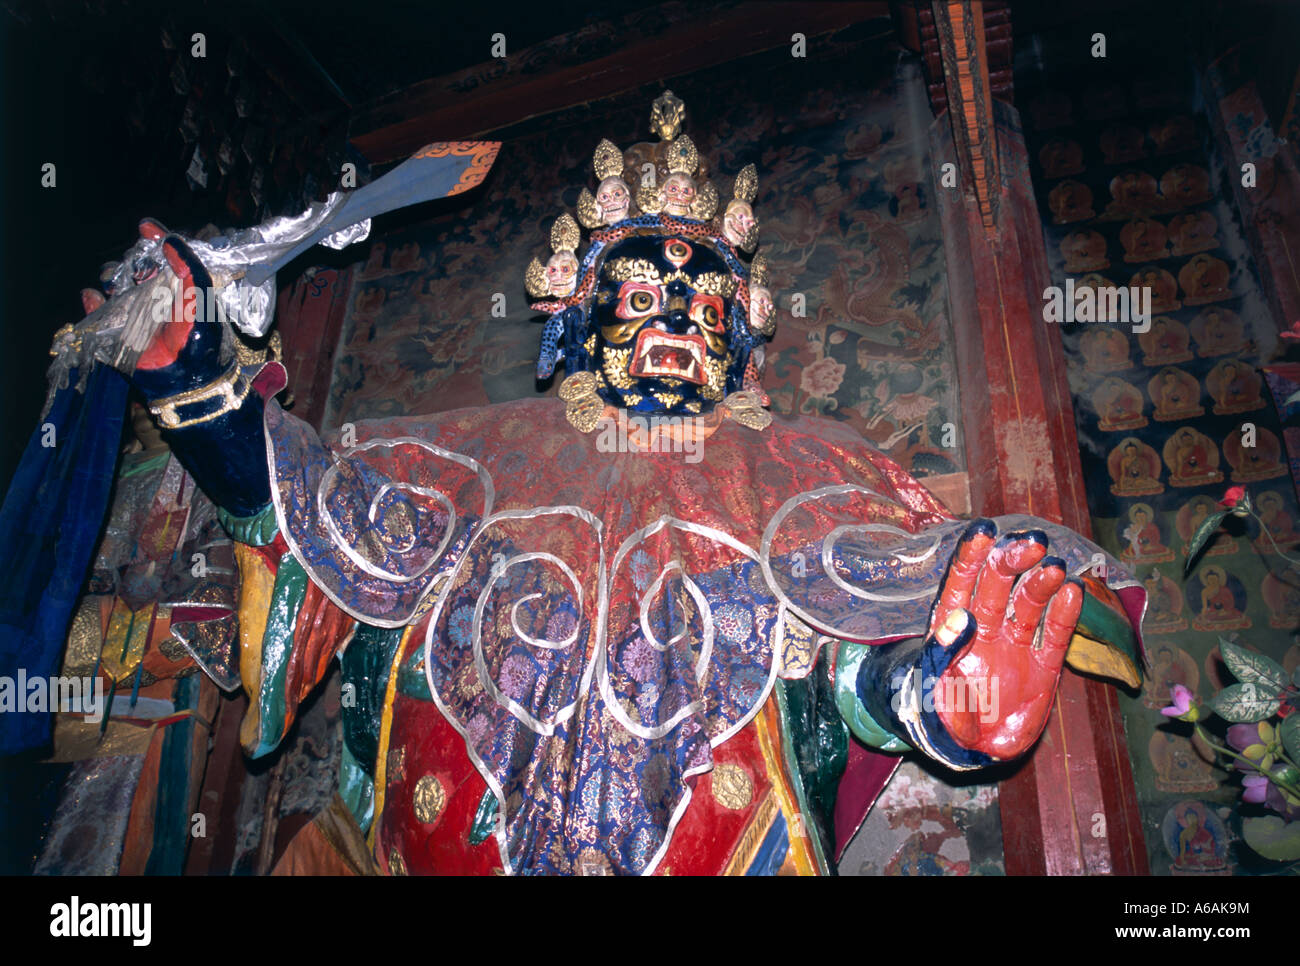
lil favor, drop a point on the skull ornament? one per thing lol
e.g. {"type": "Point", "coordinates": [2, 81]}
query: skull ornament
{"type": "Point", "coordinates": [662, 326]}
{"type": "Point", "coordinates": [738, 223]}
{"type": "Point", "coordinates": [613, 199]}
{"type": "Point", "coordinates": [562, 273]}
{"type": "Point", "coordinates": [677, 195]}
{"type": "Point", "coordinates": [761, 310]}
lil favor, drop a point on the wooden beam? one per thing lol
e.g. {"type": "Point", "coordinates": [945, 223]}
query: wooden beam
{"type": "Point", "coordinates": [436, 110]}
{"type": "Point", "coordinates": [970, 103]}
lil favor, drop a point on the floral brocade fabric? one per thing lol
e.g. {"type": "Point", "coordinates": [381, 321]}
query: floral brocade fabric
{"type": "Point", "coordinates": [596, 622]}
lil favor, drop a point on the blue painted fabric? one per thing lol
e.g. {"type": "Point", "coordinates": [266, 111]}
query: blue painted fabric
{"type": "Point", "coordinates": [49, 524]}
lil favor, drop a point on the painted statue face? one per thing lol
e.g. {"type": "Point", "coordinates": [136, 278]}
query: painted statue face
{"type": "Point", "coordinates": [562, 273]}
{"type": "Point", "coordinates": [662, 321]}
{"type": "Point", "coordinates": [613, 199]}
{"type": "Point", "coordinates": [677, 195]}
{"type": "Point", "coordinates": [738, 222]}
{"type": "Point", "coordinates": [760, 307]}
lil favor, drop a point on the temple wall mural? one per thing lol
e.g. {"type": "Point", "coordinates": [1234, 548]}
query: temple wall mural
{"type": "Point", "coordinates": [1134, 191]}
{"type": "Point", "coordinates": [850, 227]}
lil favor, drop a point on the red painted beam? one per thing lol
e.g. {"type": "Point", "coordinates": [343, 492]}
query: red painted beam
{"type": "Point", "coordinates": [397, 125]}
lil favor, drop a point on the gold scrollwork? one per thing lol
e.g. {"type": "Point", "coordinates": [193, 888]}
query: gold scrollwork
{"type": "Point", "coordinates": [429, 799]}
{"type": "Point", "coordinates": [632, 270]}
{"type": "Point", "coordinates": [732, 786]}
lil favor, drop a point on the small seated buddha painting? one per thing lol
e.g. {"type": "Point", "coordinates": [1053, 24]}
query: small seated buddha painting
{"type": "Point", "coordinates": [1204, 279]}
{"type": "Point", "coordinates": [1070, 201]}
{"type": "Point", "coordinates": [1218, 600]}
{"type": "Point", "coordinates": [1181, 763]}
{"type": "Point", "coordinates": [1170, 666]}
{"type": "Point", "coordinates": [1278, 526]}
{"type": "Point", "coordinates": [1144, 240]}
{"type": "Point", "coordinates": [1195, 838]}
{"type": "Point", "coordinates": [1164, 604]}
{"type": "Point", "coordinates": [1189, 518]}
{"type": "Point", "coordinates": [1254, 454]}
{"type": "Point", "coordinates": [1192, 458]}
{"type": "Point", "coordinates": [1134, 469]}
{"type": "Point", "coordinates": [1122, 144]}
{"type": "Point", "coordinates": [1060, 157]}
{"type": "Point", "coordinates": [1281, 593]}
{"type": "Point", "coordinates": [1143, 543]}
{"type": "Point", "coordinates": [1164, 288]}
{"type": "Point", "coordinates": [1105, 350]}
{"type": "Point", "coordinates": [1165, 343]}
{"type": "Point", "coordinates": [1084, 251]}
{"type": "Point", "coordinates": [1176, 394]}
{"type": "Point", "coordinates": [1235, 387]}
{"type": "Point", "coordinates": [1219, 332]}
{"type": "Point", "coordinates": [1174, 133]}
{"type": "Point", "coordinates": [1192, 233]}
{"type": "Point", "coordinates": [1132, 192]}
{"type": "Point", "coordinates": [1185, 184]}
{"type": "Point", "coordinates": [1119, 406]}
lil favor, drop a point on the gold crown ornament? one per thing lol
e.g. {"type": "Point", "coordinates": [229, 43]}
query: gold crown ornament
{"type": "Point", "coordinates": [670, 179]}
{"type": "Point", "coordinates": [659, 190]}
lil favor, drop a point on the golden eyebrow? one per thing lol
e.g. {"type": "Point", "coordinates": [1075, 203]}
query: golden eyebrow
{"type": "Point", "coordinates": [715, 283]}
{"type": "Point", "coordinates": [631, 270]}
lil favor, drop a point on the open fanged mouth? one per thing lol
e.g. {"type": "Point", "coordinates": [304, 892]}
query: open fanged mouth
{"type": "Point", "coordinates": [665, 355]}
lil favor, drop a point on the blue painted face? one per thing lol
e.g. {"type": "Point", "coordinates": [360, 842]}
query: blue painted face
{"type": "Point", "coordinates": [667, 334]}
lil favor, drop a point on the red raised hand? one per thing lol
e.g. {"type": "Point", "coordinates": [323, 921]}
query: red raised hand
{"type": "Point", "coordinates": [996, 694]}
{"type": "Point", "coordinates": [167, 344]}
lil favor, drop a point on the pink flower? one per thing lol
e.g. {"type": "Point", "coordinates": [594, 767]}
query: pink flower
{"type": "Point", "coordinates": [1182, 708]}
{"type": "Point", "coordinates": [1294, 332]}
{"type": "Point", "coordinates": [1233, 501]}
{"type": "Point", "coordinates": [1256, 788]}
{"type": "Point", "coordinates": [822, 378]}
{"type": "Point", "coordinates": [1232, 497]}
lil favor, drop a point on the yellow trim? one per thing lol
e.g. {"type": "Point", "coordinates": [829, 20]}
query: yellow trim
{"type": "Point", "coordinates": [755, 832]}
{"type": "Point", "coordinates": [769, 740]}
{"type": "Point", "coordinates": [1097, 657]}
{"type": "Point", "coordinates": [256, 582]}
{"type": "Point", "coordinates": [385, 729]}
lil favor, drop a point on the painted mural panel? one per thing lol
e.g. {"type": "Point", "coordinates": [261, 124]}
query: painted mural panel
{"type": "Point", "coordinates": [1171, 412]}
{"type": "Point", "coordinates": [438, 318]}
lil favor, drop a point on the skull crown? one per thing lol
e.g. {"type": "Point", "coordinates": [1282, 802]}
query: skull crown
{"type": "Point", "coordinates": [645, 182]}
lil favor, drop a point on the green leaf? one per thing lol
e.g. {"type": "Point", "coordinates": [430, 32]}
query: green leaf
{"type": "Point", "coordinates": [1289, 731]}
{"type": "Point", "coordinates": [1244, 703]}
{"type": "Point", "coordinates": [1202, 536]}
{"type": "Point", "coordinates": [1295, 677]}
{"type": "Point", "coordinates": [1272, 838]}
{"type": "Point", "coordinates": [1251, 668]}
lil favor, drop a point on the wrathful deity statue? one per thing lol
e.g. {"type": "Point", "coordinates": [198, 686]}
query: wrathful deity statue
{"type": "Point", "coordinates": [582, 659]}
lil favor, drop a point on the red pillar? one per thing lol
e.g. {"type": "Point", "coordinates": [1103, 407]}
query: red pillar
{"type": "Point", "coordinates": [1070, 808]}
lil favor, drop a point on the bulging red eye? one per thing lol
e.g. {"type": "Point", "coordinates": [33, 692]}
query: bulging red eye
{"type": "Point", "coordinates": [707, 311]}
{"type": "Point", "coordinates": [637, 300]}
